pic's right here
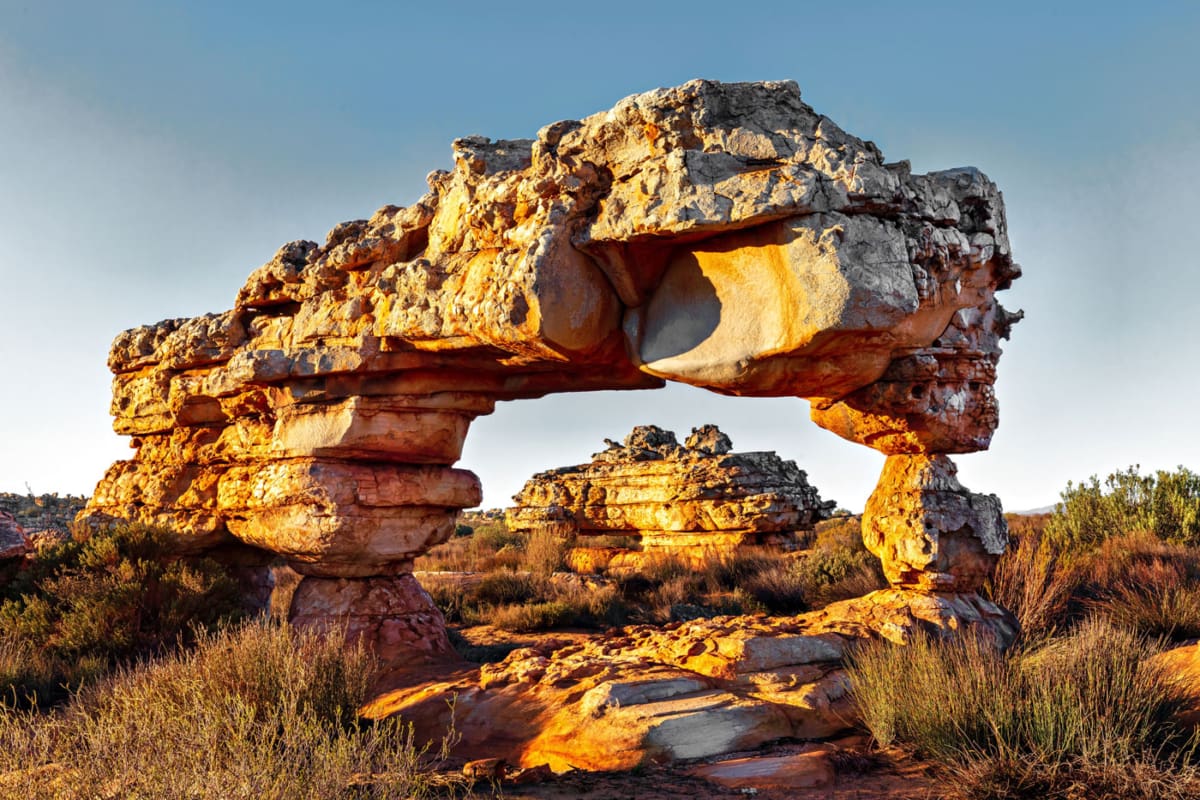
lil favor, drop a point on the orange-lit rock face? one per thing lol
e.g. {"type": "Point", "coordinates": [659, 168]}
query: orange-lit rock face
{"type": "Point", "coordinates": [929, 531]}
{"type": "Point", "coordinates": [696, 501]}
{"type": "Point", "coordinates": [723, 235]}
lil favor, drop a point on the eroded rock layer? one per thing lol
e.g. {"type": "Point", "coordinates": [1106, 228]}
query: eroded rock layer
{"type": "Point", "coordinates": [723, 235]}
{"type": "Point", "coordinates": [694, 501]}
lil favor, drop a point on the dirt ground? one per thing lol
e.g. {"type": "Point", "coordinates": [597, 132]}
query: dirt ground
{"type": "Point", "coordinates": [859, 775]}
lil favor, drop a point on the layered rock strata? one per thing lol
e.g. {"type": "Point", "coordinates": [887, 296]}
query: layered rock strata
{"type": "Point", "coordinates": [722, 235]}
{"type": "Point", "coordinates": [692, 502]}
{"type": "Point", "coordinates": [694, 690]}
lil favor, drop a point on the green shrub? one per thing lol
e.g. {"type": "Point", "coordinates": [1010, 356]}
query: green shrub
{"type": "Point", "coordinates": [252, 712]}
{"type": "Point", "coordinates": [85, 606]}
{"type": "Point", "coordinates": [1166, 504]}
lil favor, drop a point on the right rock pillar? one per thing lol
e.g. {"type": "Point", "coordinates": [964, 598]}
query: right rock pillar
{"type": "Point", "coordinates": [929, 531]}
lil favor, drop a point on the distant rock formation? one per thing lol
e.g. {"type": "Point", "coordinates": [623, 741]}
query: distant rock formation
{"type": "Point", "coordinates": [722, 235]}
{"type": "Point", "coordinates": [693, 502]}
{"type": "Point", "coordinates": [13, 541]}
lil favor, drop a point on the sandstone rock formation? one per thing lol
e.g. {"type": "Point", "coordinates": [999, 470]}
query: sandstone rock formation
{"type": "Point", "coordinates": [723, 235]}
{"type": "Point", "coordinates": [693, 502]}
{"type": "Point", "coordinates": [693, 690]}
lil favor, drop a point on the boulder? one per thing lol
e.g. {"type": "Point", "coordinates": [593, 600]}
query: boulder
{"type": "Point", "coordinates": [13, 541]}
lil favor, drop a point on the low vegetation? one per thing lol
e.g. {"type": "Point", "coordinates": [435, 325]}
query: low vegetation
{"type": "Point", "coordinates": [125, 672]}
{"type": "Point", "coordinates": [1033, 723]}
{"type": "Point", "coordinates": [85, 606]}
{"type": "Point", "coordinates": [1075, 710]}
{"type": "Point", "coordinates": [518, 584]}
{"type": "Point", "coordinates": [250, 711]}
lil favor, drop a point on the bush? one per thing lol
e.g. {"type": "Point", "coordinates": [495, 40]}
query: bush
{"type": "Point", "coordinates": [1084, 703]}
{"type": "Point", "coordinates": [538, 616]}
{"type": "Point", "coordinates": [1166, 504]}
{"type": "Point", "coordinates": [252, 712]}
{"type": "Point", "coordinates": [545, 553]}
{"type": "Point", "coordinates": [85, 606]}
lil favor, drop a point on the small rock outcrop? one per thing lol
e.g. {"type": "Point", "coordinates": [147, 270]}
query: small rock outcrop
{"type": "Point", "coordinates": [13, 541]}
{"type": "Point", "coordinates": [722, 235]}
{"type": "Point", "coordinates": [692, 502]}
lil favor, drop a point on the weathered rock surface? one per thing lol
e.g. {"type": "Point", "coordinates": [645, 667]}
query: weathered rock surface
{"type": "Point", "coordinates": [929, 531]}
{"type": "Point", "coordinates": [695, 501]}
{"type": "Point", "coordinates": [697, 689]}
{"type": "Point", "coordinates": [13, 541]}
{"type": "Point", "coordinates": [723, 235]}
{"type": "Point", "coordinates": [1179, 668]}
{"type": "Point", "coordinates": [805, 770]}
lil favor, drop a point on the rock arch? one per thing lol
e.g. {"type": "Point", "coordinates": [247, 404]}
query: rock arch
{"type": "Point", "coordinates": [723, 235]}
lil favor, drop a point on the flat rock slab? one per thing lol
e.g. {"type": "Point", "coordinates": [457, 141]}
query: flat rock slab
{"type": "Point", "coordinates": [799, 771]}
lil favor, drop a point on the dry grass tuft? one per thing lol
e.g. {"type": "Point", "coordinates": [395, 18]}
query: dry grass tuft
{"type": "Point", "coordinates": [257, 711]}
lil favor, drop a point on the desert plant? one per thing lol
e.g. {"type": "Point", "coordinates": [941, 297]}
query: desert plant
{"type": "Point", "coordinates": [537, 616]}
{"type": "Point", "coordinates": [1032, 582]}
{"type": "Point", "coordinates": [1088, 701]}
{"type": "Point", "coordinates": [1166, 504]}
{"type": "Point", "coordinates": [545, 552]}
{"type": "Point", "coordinates": [85, 606]}
{"type": "Point", "coordinates": [257, 711]}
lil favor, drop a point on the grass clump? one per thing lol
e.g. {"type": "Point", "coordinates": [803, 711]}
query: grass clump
{"type": "Point", "coordinates": [1031, 723]}
{"type": "Point", "coordinates": [257, 711]}
{"type": "Point", "coordinates": [87, 605]}
{"type": "Point", "coordinates": [1035, 584]}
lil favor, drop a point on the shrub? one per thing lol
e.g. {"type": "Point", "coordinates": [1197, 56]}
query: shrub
{"type": "Point", "coordinates": [545, 553]}
{"type": "Point", "coordinates": [85, 606]}
{"type": "Point", "coordinates": [1138, 581]}
{"type": "Point", "coordinates": [1087, 702]}
{"type": "Point", "coordinates": [778, 589]}
{"type": "Point", "coordinates": [252, 712]}
{"type": "Point", "coordinates": [1166, 504]}
{"type": "Point", "coordinates": [1031, 581]}
{"type": "Point", "coordinates": [532, 616]}
{"type": "Point", "coordinates": [503, 587]}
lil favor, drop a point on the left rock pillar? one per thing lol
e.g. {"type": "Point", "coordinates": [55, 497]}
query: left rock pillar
{"type": "Point", "coordinates": [357, 488]}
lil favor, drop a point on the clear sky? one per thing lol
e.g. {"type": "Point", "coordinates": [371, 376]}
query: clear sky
{"type": "Point", "coordinates": [153, 153]}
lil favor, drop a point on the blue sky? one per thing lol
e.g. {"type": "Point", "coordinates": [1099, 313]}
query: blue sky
{"type": "Point", "coordinates": [153, 154]}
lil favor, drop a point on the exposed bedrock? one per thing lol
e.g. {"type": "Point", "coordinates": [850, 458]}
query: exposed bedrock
{"type": "Point", "coordinates": [693, 502]}
{"type": "Point", "coordinates": [700, 689]}
{"type": "Point", "coordinates": [723, 235]}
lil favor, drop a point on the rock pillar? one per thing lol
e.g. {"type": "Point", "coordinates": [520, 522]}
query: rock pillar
{"type": "Point", "coordinates": [929, 531]}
